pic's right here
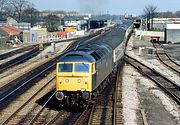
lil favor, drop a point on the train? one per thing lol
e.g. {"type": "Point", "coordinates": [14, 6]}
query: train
{"type": "Point", "coordinates": [80, 73]}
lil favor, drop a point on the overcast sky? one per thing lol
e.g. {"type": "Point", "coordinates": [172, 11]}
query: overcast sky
{"type": "Point", "coordinates": [106, 6]}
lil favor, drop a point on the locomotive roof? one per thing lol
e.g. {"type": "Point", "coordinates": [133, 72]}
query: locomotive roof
{"type": "Point", "coordinates": [76, 56]}
{"type": "Point", "coordinates": [89, 53]}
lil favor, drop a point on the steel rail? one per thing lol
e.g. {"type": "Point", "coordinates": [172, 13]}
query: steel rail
{"type": "Point", "coordinates": [83, 115]}
{"type": "Point", "coordinates": [39, 112]}
{"type": "Point", "coordinates": [25, 83]}
{"type": "Point", "coordinates": [169, 59]}
{"type": "Point", "coordinates": [171, 88]}
{"type": "Point", "coordinates": [25, 103]}
{"type": "Point", "coordinates": [60, 113]}
{"type": "Point", "coordinates": [91, 114]}
{"type": "Point", "coordinates": [17, 51]}
{"type": "Point", "coordinates": [5, 66]}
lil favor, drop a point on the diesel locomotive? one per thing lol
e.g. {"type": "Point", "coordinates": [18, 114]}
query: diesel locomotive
{"type": "Point", "coordinates": [80, 72]}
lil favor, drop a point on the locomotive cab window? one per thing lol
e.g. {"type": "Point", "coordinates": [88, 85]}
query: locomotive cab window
{"type": "Point", "coordinates": [65, 67]}
{"type": "Point", "coordinates": [81, 67]}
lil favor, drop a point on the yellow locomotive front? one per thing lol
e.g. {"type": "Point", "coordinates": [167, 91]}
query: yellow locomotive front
{"type": "Point", "coordinates": [73, 76]}
{"type": "Point", "coordinates": [74, 82]}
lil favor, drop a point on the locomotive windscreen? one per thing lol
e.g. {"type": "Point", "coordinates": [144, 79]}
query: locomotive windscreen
{"type": "Point", "coordinates": [65, 67]}
{"type": "Point", "coordinates": [79, 67]}
{"type": "Point", "coordinates": [82, 67]}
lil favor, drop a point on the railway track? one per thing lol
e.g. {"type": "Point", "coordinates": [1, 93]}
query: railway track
{"type": "Point", "coordinates": [13, 117]}
{"type": "Point", "coordinates": [104, 109]}
{"type": "Point", "coordinates": [18, 60]}
{"type": "Point", "coordinates": [17, 51]}
{"type": "Point", "coordinates": [86, 116]}
{"type": "Point", "coordinates": [117, 98]}
{"type": "Point", "coordinates": [20, 85]}
{"type": "Point", "coordinates": [47, 115]}
{"type": "Point", "coordinates": [56, 117]}
{"type": "Point", "coordinates": [52, 117]}
{"type": "Point", "coordinates": [107, 108]}
{"type": "Point", "coordinates": [166, 59]}
{"type": "Point", "coordinates": [171, 88]}
{"type": "Point", "coordinates": [37, 119]}
{"type": "Point", "coordinates": [44, 112]}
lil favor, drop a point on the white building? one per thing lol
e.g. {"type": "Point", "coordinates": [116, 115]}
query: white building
{"type": "Point", "coordinates": [172, 33]}
{"type": "Point", "coordinates": [78, 23]}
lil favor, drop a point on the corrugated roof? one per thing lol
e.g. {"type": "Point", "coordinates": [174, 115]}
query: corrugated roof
{"type": "Point", "coordinates": [11, 30]}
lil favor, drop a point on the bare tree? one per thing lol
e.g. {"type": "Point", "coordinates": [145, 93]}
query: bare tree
{"type": "Point", "coordinates": [3, 4]}
{"type": "Point", "coordinates": [9, 12]}
{"type": "Point", "coordinates": [30, 13]}
{"type": "Point", "coordinates": [150, 12]}
{"type": "Point", "coordinates": [19, 6]}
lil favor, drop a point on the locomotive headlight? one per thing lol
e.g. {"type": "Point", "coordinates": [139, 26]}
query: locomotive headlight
{"type": "Point", "coordinates": [85, 95]}
{"type": "Point", "coordinates": [59, 96]}
{"type": "Point", "coordinates": [79, 81]}
{"type": "Point", "coordinates": [67, 80]}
